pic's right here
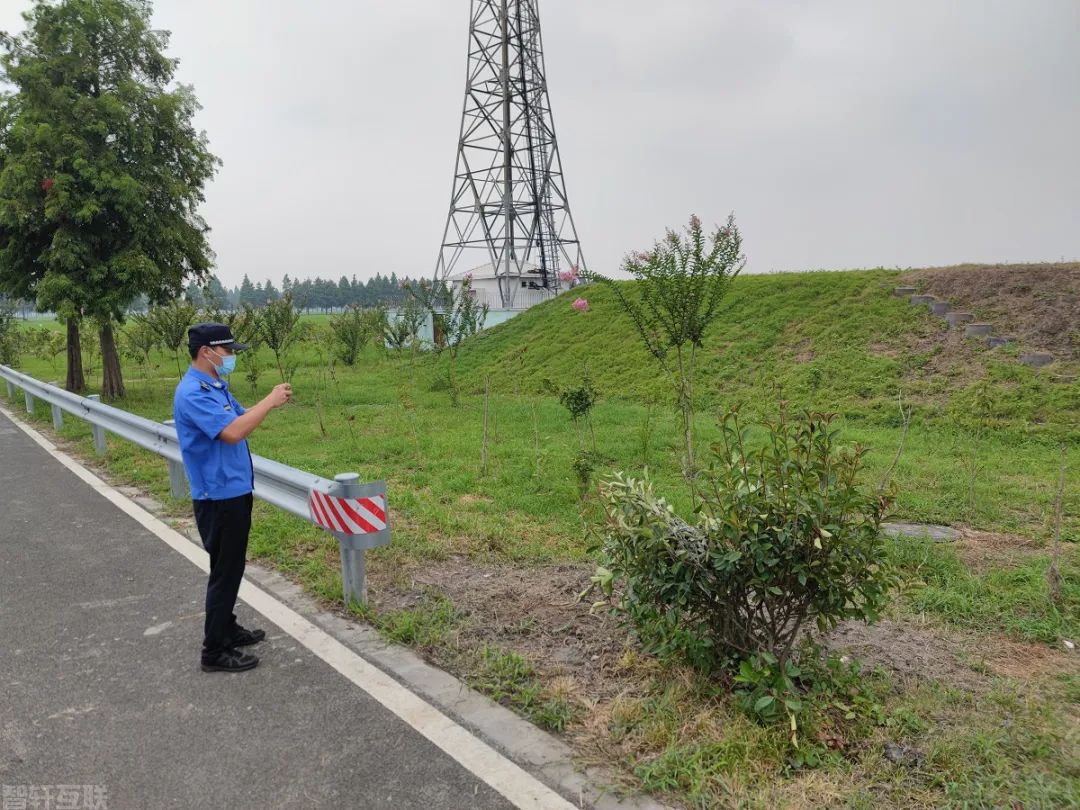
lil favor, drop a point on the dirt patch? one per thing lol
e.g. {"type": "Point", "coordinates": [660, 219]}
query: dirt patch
{"type": "Point", "coordinates": [1020, 660]}
{"type": "Point", "coordinates": [961, 660]}
{"type": "Point", "coordinates": [982, 551]}
{"type": "Point", "coordinates": [469, 498]}
{"type": "Point", "coordinates": [1038, 303]}
{"type": "Point", "coordinates": [534, 611]}
{"type": "Point", "coordinates": [885, 350]}
{"type": "Point", "coordinates": [912, 653]}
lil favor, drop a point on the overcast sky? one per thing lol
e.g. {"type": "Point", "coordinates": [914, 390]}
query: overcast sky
{"type": "Point", "coordinates": [841, 133]}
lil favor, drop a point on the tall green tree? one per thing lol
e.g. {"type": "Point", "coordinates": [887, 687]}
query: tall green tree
{"type": "Point", "coordinates": [101, 170]}
{"type": "Point", "coordinates": [247, 292]}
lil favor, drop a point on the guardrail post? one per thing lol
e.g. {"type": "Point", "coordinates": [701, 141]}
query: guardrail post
{"type": "Point", "coordinates": [10, 389]}
{"type": "Point", "coordinates": [29, 398]}
{"type": "Point", "coordinates": [57, 418]}
{"type": "Point", "coordinates": [98, 430]}
{"type": "Point", "coordinates": [353, 566]}
{"type": "Point", "coordinates": [177, 476]}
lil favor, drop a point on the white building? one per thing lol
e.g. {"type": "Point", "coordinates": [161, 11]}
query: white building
{"type": "Point", "coordinates": [485, 288]}
{"type": "Point", "coordinates": [527, 287]}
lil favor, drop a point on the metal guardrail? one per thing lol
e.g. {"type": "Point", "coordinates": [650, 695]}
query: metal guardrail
{"type": "Point", "coordinates": [279, 484]}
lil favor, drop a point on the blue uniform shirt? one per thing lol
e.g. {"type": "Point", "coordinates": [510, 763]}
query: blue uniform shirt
{"type": "Point", "coordinates": [202, 408]}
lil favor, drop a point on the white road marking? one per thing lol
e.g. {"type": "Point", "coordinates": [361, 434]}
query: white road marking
{"type": "Point", "coordinates": [519, 787]}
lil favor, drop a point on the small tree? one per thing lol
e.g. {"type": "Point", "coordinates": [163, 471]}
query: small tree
{"type": "Point", "coordinates": [352, 330]}
{"type": "Point", "coordinates": [140, 340]}
{"type": "Point", "coordinates": [280, 329]}
{"type": "Point", "coordinates": [579, 401]}
{"type": "Point", "coordinates": [455, 316]}
{"type": "Point", "coordinates": [246, 327]}
{"type": "Point", "coordinates": [681, 282]}
{"type": "Point", "coordinates": [90, 347]}
{"type": "Point", "coordinates": [170, 323]}
{"type": "Point", "coordinates": [404, 330]}
{"type": "Point", "coordinates": [45, 344]}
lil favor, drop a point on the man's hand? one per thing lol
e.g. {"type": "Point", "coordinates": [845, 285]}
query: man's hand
{"type": "Point", "coordinates": [241, 426]}
{"type": "Point", "coordinates": [280, 395]}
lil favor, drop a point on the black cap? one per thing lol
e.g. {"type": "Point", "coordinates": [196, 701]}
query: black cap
{"type": "Point", "coordinates": [213, 335]}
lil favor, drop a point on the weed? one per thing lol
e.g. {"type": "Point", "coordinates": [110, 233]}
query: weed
{"type": "Point", "coordinates": [507, 677]}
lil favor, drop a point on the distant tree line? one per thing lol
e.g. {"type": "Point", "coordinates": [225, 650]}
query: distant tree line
{"type": "Point", "coordinates": [315, 294]}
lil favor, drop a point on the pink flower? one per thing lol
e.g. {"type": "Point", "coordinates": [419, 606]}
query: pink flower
{"type": "Point", "coordinates": [581, 305]}
{"type": "Point", "coordinates": [468, 276]}
{"type": "Point", "coordinates": [569, 276]}
{"type": "Point", "coordinates": [47, 183]}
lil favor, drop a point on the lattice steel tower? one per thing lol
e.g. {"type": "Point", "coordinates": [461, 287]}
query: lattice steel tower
{"type": "Point", "coordinates": [509, 203]}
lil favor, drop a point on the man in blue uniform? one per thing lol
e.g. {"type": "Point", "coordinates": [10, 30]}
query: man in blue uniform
{"type": "Point", "coordinates": [212, 428]}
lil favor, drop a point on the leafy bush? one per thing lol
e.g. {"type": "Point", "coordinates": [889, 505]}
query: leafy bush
{"type": "Point", "coordinates": [403, 331]}
{"type": "Point", "coordinates": [784, 539]}
{"type": "Point", "coordinates": [10, 342]}
{"type": "Point", "coordinates": [822, 692]}
{"type": "Point", "coordinates": [352, 330]}
{"type": "Point", "coordinates": [40, 342]}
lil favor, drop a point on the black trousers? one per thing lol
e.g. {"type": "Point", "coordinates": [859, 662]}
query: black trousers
{"type": "Point", "coordinates": [223, 526]}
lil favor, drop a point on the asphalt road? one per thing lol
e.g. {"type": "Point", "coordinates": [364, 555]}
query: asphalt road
{"type": "Point", "coordinates": [100, 630]}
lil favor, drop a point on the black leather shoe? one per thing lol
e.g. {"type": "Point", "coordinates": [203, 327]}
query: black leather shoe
{"type": "Point", "coordinates": [242, 637]}
{"type": "Point", "coordinates": [230, 660]}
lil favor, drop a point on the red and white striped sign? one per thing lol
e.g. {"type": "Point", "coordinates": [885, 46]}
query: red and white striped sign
{"type": "Point", "coordinates": [348, 515]}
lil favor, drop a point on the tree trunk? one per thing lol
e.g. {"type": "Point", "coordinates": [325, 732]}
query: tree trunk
{"type": "Point", "coordinates": [76, 382]}
{"type": "Point", "coordinates": [112, 378]}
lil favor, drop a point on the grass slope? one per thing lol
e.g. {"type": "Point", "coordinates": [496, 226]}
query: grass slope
{"type": "Point", "coordinates": [827, 340]}
{"type": "Point", "coordinates": [838, 342]}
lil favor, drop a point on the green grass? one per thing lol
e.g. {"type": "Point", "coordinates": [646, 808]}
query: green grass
{"type": "Point", "coordinates": [832, 341]}
{"type": "Point", "coordinates": [507, 677]}
{"type": "Point", "coordinates": [1013, 599]}
{"type": "Point", "coordinates": [424, 627]}
{"type": "Point", "coordinates": [829, 341]}
{"type": "Point", "coordinates": [1007, 746]}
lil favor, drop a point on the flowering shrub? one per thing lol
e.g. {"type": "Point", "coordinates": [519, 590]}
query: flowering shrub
{"type": "Point", "coordinates": [581, 305]}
